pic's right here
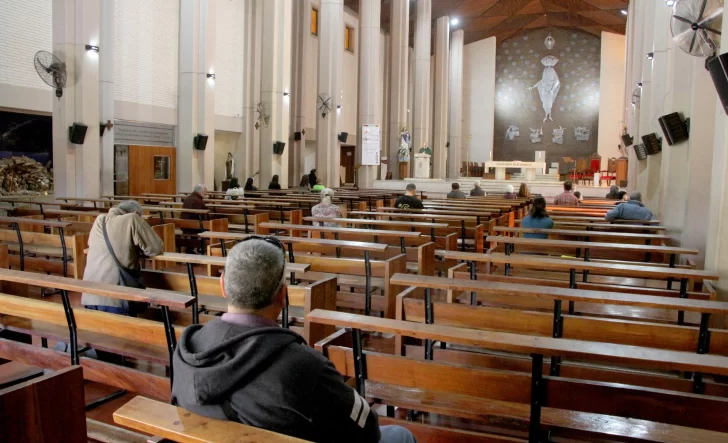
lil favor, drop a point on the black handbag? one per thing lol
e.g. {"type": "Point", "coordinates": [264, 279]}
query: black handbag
{"type": "Point", "coordinates": [130, 278]}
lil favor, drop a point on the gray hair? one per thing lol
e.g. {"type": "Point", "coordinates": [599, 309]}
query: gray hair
{"type": "Point", "coordinates": [253, 271]}
{"type": "Point", "coordinates": [509, 188]}
{"type": "Point", "coordinates": [327, 196]}
{"type": "Point", "coordinates": [637, 196]}
{"type": "Point", "coordinates": [200, 188]}
{"type": "Point", "coordinates": [477, 183]}
{"type": "Point", "coordinates": [129, 206]}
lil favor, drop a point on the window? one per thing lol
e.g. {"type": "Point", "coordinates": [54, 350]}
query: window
{"type": "Point", "coordinates": [314, 21]}
{"type": "Point", "coordinates": [349, 39]}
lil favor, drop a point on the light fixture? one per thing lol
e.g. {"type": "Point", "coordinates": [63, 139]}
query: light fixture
{"type": "Point", "coordinates": [639, 85]}
{"type": "Point", "coordinates": [338, 106]}
{"type": "Point", "coordinates": [455, 21]}
{"type": "Point", "coordinates": [92, 48]}
{"type": "Point", "coordinates": [670, 3]}
{"type": "Point", "coordinates": [623, 11]}
{"type": "Point", "coordinates": [286, 94]}
{"type": "Point", "coordinates": [211, 76]}
{"type": "Point", "coordinates": [650, 55]}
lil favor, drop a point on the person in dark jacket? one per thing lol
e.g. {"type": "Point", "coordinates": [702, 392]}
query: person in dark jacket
{"type": "Point", "coordinates": [249, 185]}
{"type": "Point", "coordinates": [632, 209]}
{"type": "Point", "coordinates": [409, 200]}
{"type": "Point", "coordinates": [456, 192]}
{"type": "Point", "coordinates": [194, 201]}
{"type": "Point", "coordinates": [312, 178]}
{"type": "Point", "coordinates": [613, 192]}
{"type": "Point", "coordinates": [477, 191]}
{"type": "Point", "coordinates": [274, 183]}
{"type": "Point", "coordinates": [243, 367]}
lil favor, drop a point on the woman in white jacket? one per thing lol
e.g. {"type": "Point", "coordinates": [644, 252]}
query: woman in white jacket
{"type": "Point", "coordinates": [234, 190]}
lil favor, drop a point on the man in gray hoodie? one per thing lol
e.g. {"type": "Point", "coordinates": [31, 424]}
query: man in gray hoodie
{"type": "Point", "coordinates": [632, 209]}
{"type": "Point", "coordinates": [243, 367]}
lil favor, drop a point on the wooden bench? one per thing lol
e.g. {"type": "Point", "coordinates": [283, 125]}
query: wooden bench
{"type": "Point", "coordinates": [586, 235]}
{"type": "Point", "coordinates": [615, 410]}
{"type": "Point", "coordinates": [620, 227]}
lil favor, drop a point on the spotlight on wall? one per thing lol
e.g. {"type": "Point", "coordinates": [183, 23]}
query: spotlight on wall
{"type": "Point", "coordinates": [92, 48]}
{"type": "Point", "coordinates": [455, 21]}
{"type": "Point", "coordinates": [639, 85]}
{"type": "Point", "coordinates": [670, 3]}
{"type": "Point", "coordinates": [286, 94]}
{"type": "Point", "coordinates": [650, 55]}
{"type": "Point", "coordinates": [338, 106]}
{"type": "Point", "coordinates": [211, 76]}
{"type": "Point", "coordinates": [623, 11]}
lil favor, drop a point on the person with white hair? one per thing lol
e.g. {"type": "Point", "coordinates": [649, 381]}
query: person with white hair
{"type": "Point", "coordinates": [195, 200]}
{"type": "Point", "coordinates": [326, 209]}
{"type": "Point", "coordinates": [243, 367]}
{"type": "Point", "coordinates": [130, 238]}
{"type": "Point", "coordinates": [477, 191]}
{"type": "Point", "coordinates": [510, 194]}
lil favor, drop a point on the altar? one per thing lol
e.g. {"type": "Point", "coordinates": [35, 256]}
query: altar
{"type": "Point", "coordinates": [529, 167]}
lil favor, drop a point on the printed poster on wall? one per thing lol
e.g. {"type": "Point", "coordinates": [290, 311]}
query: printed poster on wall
{"type": "Point", "coordinates": [370, 145]}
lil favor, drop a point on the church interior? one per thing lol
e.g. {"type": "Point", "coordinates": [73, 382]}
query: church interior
{"type": "Point", "coordinates": [499, 221]}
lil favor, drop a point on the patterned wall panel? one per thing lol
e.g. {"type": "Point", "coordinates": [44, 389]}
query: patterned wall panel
{"type": "Point", "coordinates": [26, 27]}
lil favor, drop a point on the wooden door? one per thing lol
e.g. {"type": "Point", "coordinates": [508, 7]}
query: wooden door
{"type": "Point", "coordinates": [152, 169]}
{"type": "Point", "coordinates": [347, 161]}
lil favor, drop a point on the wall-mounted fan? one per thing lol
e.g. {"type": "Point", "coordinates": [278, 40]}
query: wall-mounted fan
{"type": "Point", "coordinates": [696, 26]}
{"type": "Point", "coordinates": [262, 113]}
{"type": "Point", "coordinates": [323, 104]}
{"type": "Point", "coordinates": [51, 70]}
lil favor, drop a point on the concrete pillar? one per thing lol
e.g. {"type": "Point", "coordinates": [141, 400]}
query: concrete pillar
{"type": "Point", "coordinates": [331, 48]}
{"type": "Point", "coordinates": [77, 168]}
{"type": "Point", "coordinates": [399, 37]}
{"type": "Point", "coordinates": [635, 19]}
{"type": "Point", "coordinates": [299, 68]}
{"type": "Point", "coordinates": [106, 98]}
{"type": "Point", "coordinates": [274, 81]}
{"type": "Point", "coordinates": [647, 9]}
{"type": "Point", "coordinates": [442, 102]}
{"type": "Point", "coordinates": [369, 90]}
{"type": "Point", "coordinates": [247, 159]}
{"type": "Point", "coordinates": [456, 103]}
{"type": "Point", "coordinates": [196, 105]}
{"type": "Point", "coordinates": [423, 42]}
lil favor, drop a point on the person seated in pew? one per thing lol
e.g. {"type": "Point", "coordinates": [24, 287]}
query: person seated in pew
{"type": "Point", "coordinates": [566, 198]}
{"type": "Point", "coordinates": [243, 367]}
{"type": "Point", "coordinates": [274, 183]}
{"type": "Point", "coordinates": [318, 187]}
{"type": "Point", "coordinates": [622, 196]}
{"type": "Point", "coordinates": [131, 238]}
{"type": "Point", "coordinates": [632, 209]}
{"type": "Point", "coordinates": [195, 200]}
{"type": "Point", "coordinates": [326, 209]}
{"type": "Point", "coordinates": [312, 178]}
{"type": "Point", "coordinates": [477, 191]}
{"type": "Point", "coordinates": [613, 192]}
{"type": "Point", "coordinates": [234, 190]}
{"type": "Point", "coordinates": [249, 185]}
{"type": "Point", "coordinates": [578, 196]}
{"type": "Point", "coordinates": [409, 200]}
{"type": "Point", "coordinates": [537, 218]}
{"type": "Point", "coordinates": [523, 191]}
{"type": "Point", "coordinates": [509, 195]}
{"type": "Point", "coordinates": [304, 185]}
{"type": "Point", "coordinates": [456, 192]}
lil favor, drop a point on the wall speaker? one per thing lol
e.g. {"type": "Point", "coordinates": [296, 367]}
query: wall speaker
{"type": "Point", "coordinates": [447, 145]}
{"type": "Point", "coordinates": [640, 152]}
{"type": "Point", "coordinates": [278, 148]}
{"type": "Point", "coordinates": [627, 140]}
{"type": "Point", "coordinates": [200, 142]}
{"type": "Point", "coordinates": [674, 128]}
{"type": "Point", "coordinates": [718, 67]}
{"type": "Point", "coordinates": [77, 133]}
{"type": "Point", "coordinates": [297, 136]}
{"type": "Point", "coordinates": [343, 136]}
{"type": "Point", "coordinates": [653, 145]}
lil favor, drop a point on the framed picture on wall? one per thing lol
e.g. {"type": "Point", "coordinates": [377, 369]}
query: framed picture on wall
{"type": "Point", "coordinates": [161, 167]}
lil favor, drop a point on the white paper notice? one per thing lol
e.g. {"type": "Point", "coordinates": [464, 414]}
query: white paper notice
{"type": "Point", "coordinates": [370, 145]}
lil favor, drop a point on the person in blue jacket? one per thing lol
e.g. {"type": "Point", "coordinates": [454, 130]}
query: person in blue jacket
{"type": "Point", "coordinates": [537, 218]}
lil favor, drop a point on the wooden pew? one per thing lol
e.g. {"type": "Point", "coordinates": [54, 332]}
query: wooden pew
{"type": "Point", "coordinates": [605, 226]}
{"type": "Point", "coordinates": [625, 237]}
{"type": "Point", "coordinates": [550, 402]}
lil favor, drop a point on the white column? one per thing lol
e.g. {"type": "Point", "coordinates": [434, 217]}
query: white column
{"type": "Point", "coordinates": [456, 103]}
{"type": "Point", "coordinates": [399, 38]}
{"type": "Point", "coordinates": [77, 168]}
{"type": "Point", "coordinates": [299, 68]}
{"type": "Point", "coordinates": [635, 21]}
{"type": "Point", "coordinates": [645, 111]}
{"type": "Point", "coordinates": [442, 97]}
{"type": "Point", "coordinates": [369, 35]}
{"type": "Point", "coordinates": [331, 47]}
{"type": "Point", "coordinates": [246, 158]}
{"type": "Point", "coordinates": [275, 80]}
{"type": "Point", "coordinates": [106, 77]}
{"type": "Point", "coordinates": [423, 42]}
{"type": "Point", "coordinates": [196, 104]}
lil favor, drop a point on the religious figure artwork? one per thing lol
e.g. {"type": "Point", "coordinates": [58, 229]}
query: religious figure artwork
{"type": "Point", "coordinates": [403, 155]}
{"type": "Point", "coordinates": [558, 137]}
{"type": "Point", "coordinates": [550, 42]}
{"type": "Point", "coordinates": [581, 133]}
{"type": "Point", "coordinates": [536, 135]}
{"type": "Point", "coordinates": [512, 132]}
{"type": "Point", "coordinates": [229, 167]}
{"type": "Point", "coordinates": [549, 85]}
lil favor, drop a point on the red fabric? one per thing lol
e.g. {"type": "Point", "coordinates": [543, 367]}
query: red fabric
{"type": "Point", "coordinates": [594, 165]}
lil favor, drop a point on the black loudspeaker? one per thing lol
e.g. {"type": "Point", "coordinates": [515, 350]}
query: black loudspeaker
{"type": "Point", "coordinates": [297, 136]}
{"type": "Point", "coordinates": [77, 133]}
{"type": "Point", "coordinates": [674, 128]}
{"type": "Point", "coordinates": [200, 142]}
{"type": "Point", "coordinates": [278, 148]}
{"type": "Point", "coordinates": [653, 145]}
{"type": "Point", "coordinates": [343, 136]}
{"type": "Point", "coordinates": [718, 67]}
{"type": "Point", "coordinates": [640, 152]}
{"type": "Point", "coordinates": [447, 145]}
{"type": "Point", "coordinates": [627, 140]}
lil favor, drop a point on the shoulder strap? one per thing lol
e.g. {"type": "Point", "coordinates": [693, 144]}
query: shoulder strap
{"type": "Point", "coordinates": [108, 243]}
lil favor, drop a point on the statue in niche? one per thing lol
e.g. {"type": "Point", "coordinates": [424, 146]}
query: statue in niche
{"type": "Point", "coordinates": [549, 85]}
{"type": "Point", "coordinates": [229, 167]}
{"type": "Point", "coordinates": [536, 135]}
{"type": "Point", "coordinates": [558, 137]}
{"type": "Point", "coordinates": [403, 154]}
{"type": "Point", "coordinates": [512, 132]}
{"type": "Point", "coordinates": [581, 133]}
